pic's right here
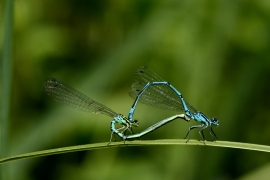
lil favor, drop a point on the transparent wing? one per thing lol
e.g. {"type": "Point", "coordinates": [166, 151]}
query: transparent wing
{"type": "Point", "coordinates": [160, 99]}
{"type": "Point", "coordinates": [160, 96]}
{"type": "Point", "coordinates": [73, 98]}
{"type": "Point", "coordinates": [191, 108]}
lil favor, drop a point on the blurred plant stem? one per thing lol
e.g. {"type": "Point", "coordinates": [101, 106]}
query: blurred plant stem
{"type": "Point", "coordinates": [6, 81]}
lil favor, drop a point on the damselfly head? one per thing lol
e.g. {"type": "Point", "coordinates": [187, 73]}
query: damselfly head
{"type": "Point", "coordinates": [135, 123]}
{"type": "Point", "coordinates": [214, 121]}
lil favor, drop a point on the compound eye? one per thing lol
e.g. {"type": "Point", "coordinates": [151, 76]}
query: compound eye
{"type": "Point", "coordinates": [215, 120]}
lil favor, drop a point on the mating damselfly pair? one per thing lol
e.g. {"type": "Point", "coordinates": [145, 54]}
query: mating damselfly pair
{"type": "Point", "coordinates": [150, 89]}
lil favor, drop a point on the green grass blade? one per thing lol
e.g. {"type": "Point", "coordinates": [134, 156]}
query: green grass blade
{"type": "Point", "coordinates": [237, 145]}
{"type": "Point", "coordinates": [6, 81]}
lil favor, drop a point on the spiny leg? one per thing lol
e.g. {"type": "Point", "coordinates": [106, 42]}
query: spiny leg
{"type": "Point", "coordinates": [190, 128]}
{"type": "Point", "coordinates": [123, 127]}
{"type": "Point", "coordinates": [130, 130]}
{"type": "Point", "coordinates": [113, 133]}
{"type": "Point", "coordinates": [124, 131]}
{"type": "Point", "coordinates": [201, 133]}
{"type": "Point", "coordinates": [111, 138]}
{"type": "Point", "coordinates": [212, 133]}
{"type": "Point", "coordinates": [126, 136]}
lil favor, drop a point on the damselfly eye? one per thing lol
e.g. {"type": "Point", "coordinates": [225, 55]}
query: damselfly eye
{"type": "Point", "coordinates": [215, 121]}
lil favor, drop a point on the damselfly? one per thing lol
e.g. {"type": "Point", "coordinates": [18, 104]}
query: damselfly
{"type": "Point", "coordinates": [151, 89]}
{"type": "Point", "coordinates": [73, 98]}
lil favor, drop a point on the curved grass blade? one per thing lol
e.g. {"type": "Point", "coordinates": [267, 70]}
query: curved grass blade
{"type": "Point", "coordinates": [237, 145]}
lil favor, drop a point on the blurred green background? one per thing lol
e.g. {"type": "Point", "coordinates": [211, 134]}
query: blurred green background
{"type": "Point", "coordinates": [215, 52]}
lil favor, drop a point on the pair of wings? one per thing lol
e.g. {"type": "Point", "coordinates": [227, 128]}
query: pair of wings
{"type": "Point", "coordinates": [160, 96]}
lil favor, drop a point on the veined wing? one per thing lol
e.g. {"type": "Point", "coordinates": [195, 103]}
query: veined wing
{"type": "Point", "coordinates": [160, 96]}
{"type": "Point", "coordinates": [75, 99]}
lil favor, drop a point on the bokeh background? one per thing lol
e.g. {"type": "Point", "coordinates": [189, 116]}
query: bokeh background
{"type": "Point", "coordinates": [215, 52]}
